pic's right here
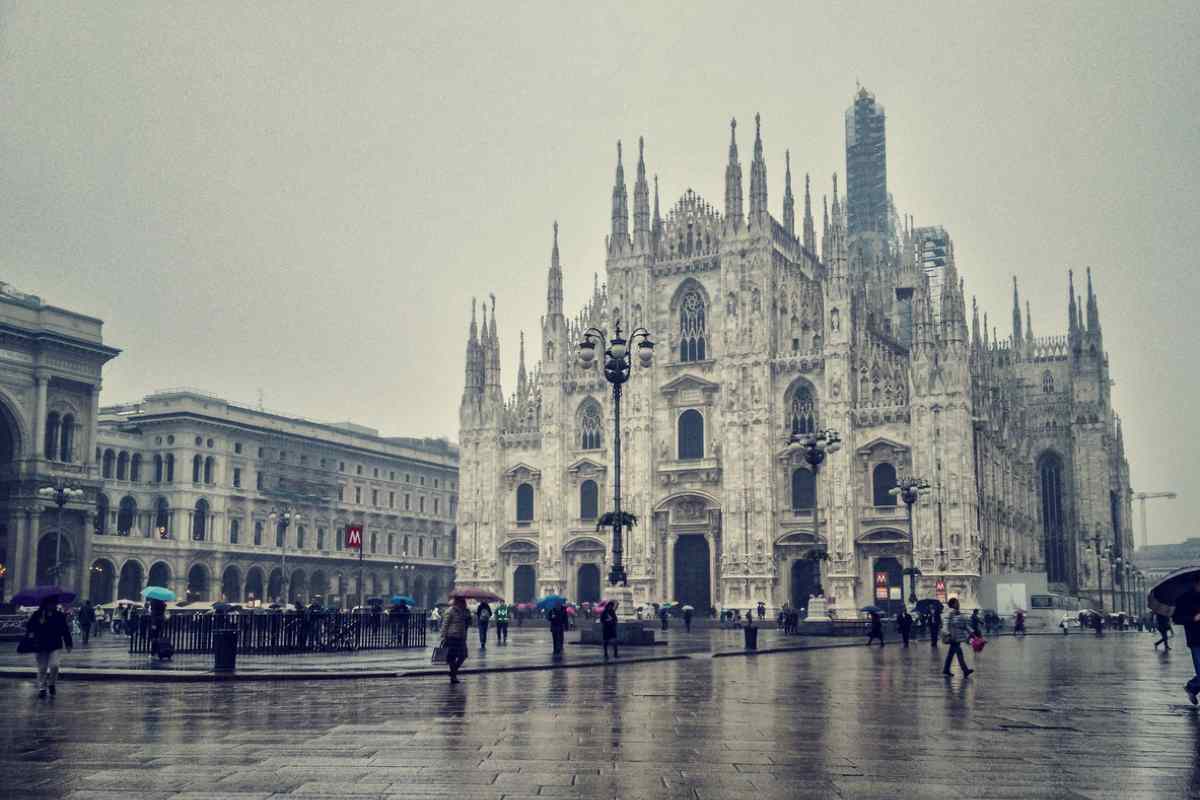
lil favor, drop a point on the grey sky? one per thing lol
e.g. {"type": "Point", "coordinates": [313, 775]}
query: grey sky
{"type": "Point", "coordinates": [304, 198]}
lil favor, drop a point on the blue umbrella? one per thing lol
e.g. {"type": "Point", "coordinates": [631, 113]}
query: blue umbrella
{"type": "Point", "coordinates": [35, 595]}
{"type": "Point", "coordinates": [158, 593]}
{"type": "Point", "coordinates": [872, 610]}
{"type": "Point", "coordinates": [550, 601]}
{"type": "Point", "coordinates": [397, 599]}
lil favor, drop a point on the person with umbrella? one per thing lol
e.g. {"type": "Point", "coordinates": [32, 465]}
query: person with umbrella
{"type": "Point", "coordinates": [454, 635]}
{"type": "Point", "coordinates": [904, 623]}
{"type": "Point", "coordinates": [46, 633]}
{"type": "Point", "coordinates": [876, 629]}
{"type": "Point", "coordinates": [608, 628]}
{"type": "Point", "coordinates": [87, 621]}
{"type": "Point", "coordinates": [687, 618]}
{"type": "Point", "coordinates": [664, 614]}
{"type": "Point", "coordinates": [557, 617]}
{"type": "Point", "coordinates": [1163, 623]}
{"type": "Point", "coordinates": [935, 625]}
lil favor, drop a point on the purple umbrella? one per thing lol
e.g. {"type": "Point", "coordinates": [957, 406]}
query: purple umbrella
{"type": "Point", "coordinates": [35, 596]}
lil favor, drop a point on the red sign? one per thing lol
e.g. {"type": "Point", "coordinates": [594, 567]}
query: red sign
{"type": "Point", "coordinates": [939, 590]}
{"type": "Point", "coordinates": [881, 586]}
{"type": "Point", "coordinates": [354, 537]}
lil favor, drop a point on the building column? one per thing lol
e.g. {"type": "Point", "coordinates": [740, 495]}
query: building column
{"type": "Point", "coordinates": [15, 555]}
{"type": "Point", "coordinates": [34, 531]}
{"type": "Point", "coordinates": [89, 453]}
{"type": "Point", "coordinates": [85, 554]}
{"type": "Point", "coordinates": [39, 415]}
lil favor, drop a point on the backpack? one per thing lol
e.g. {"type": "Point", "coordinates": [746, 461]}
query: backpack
{"type": "Point", "coordinates": [485, 615]}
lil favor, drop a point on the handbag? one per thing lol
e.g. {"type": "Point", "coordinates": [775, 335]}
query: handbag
{"type": "Point", "coordinates": [26, 645]}
{"type": "Point", "coordinates": [977, 643]}
{"type": "Point", "coordinates": [439, 654]}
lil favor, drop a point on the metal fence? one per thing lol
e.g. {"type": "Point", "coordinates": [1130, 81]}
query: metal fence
{"type": "Point", "coordinates": [281, 633]}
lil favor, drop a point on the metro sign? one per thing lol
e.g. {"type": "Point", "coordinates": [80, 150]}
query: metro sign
{"type": "Point", "coordinates": [354, 537]}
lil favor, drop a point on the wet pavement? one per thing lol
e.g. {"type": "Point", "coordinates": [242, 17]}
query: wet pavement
{"type": "Point", "coordinates": [1043, 717]}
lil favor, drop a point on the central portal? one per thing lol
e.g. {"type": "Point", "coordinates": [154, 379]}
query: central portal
{"type": "Point", "coordinates": [589, 584]}
{"type": "Point", "coordinates": [693, 578]}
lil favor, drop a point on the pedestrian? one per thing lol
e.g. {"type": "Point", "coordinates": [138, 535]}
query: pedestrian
{"type": "Point", "coordinates": [502, 614]}
{"type": "Point", "coordinates": [1065, 625]}
{"type": "Point", "coordinates": [435, 619]}
{"type": "Point", "coordinates": [662, 614]}
{"type": "Point", "coordinates": [958, 629]}
{"type": "Point", "coordinates": [1019, 624]}
{"type": "Point", "coordinates": [762, 610]}
{"type": "Point", "coordinates": [87, 621]}
{"type": "Point", "coordinates": [1187, 614]}
{"type": "Point", "coordinates": [976, 623]}
{"type": "Point", "coordinates": [687, 619]}
{"type": "Point", "coordinates": [46, 633]}
{"type": "Point", "coordinates": [558, 626]}
{"type": "Point", "coordinates": [1163, 623]}
{"type": "Point", "coordinates": [876, 629]}
{"type": "Point", "coordinates": [520, 616]}
{"type": "Point", "coordinates": [1098, 624]}
{"type": "Point", "coordinates": [608, 628]}
{"type": "Point", "coordinates": [483, 617]}
{"type": "Point", "coordinates": [454, 635]}
{"type": "Point", "coordinates": [935, 626]}
{"type": "Point", "coordinates": [905, 622]}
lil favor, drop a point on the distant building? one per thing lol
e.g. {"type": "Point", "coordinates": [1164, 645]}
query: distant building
{"type": "Point", "coordinates": [868, 208]}
{"type": "Point", "coordinates": [1157, 560]}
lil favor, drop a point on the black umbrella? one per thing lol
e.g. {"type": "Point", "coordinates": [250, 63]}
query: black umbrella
{"type": "Point", "coordinates": [1166, 592]}
{"type": "Point", "coordinates": [928, 606]}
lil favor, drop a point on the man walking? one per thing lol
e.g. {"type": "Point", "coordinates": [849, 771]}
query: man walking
{"type": "Point", "coordinates": [502, 612]}
{"type": "Point", "coordinates": [687, 619]}
{"type": "Point", "coordinates": [1163, 623]}
{"type": "Point", "coordinates": [87, 621]}
{"type": "Point", "coordinates": [905, 623]}
{"type": "Point", "coordinates": [558, 626]}
{"type": "Point", "coordinates": [876, 630]}
{"type": "Point", "coordinates": [1187, 614]}
{"type": "Point", "coordinates": [935, 627]}
{"type": "Point", "coordinates": [958, 628]}
{"type": "Point", "coordinates": [483, 616]}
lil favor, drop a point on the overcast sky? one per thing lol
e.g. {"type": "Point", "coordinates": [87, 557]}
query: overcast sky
{"type": "Point", "coordinates": [302, 198]}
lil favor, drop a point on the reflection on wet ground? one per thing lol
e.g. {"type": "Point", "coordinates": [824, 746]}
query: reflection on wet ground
{"type": "Point", "coordinates": [1042, 717]}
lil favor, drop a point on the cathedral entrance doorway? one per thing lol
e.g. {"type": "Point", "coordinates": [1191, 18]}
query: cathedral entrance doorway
{"type": "Point", "coordinates": [589, 584]}
{"type": "Point", "coordinates": [888, 585]}
{"type": "Point", "coordinates": [524, 584]}
{"type": "Point", "coordinates": [806, 580]}
{"type": "Point", "coordinates": [693, 576]}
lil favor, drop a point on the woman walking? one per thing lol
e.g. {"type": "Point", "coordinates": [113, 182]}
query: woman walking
{"type": "Point", "coordinates": [454, 635]}
{"type": "Point", "coordinates": [48, 633]}
{"type": "Point", "coordinates": [608, 626]}
{"type": "Point", "coordinates": [483, 616]}
{"type": "Point", "coordinates": [876, 630]}
{"type": "Point", "coordinates": [1163, 623]}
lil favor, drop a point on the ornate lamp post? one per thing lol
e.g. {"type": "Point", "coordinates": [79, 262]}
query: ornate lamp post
{"type": "Point", "coordinates": [282, 518]}
{"type": "Point", "coordinates": [910, 491]}
{"type": "Point", "coordinates": [60, 494]}
{"type": "Point", "coordinates": [618, 364]}
{"type": "Point", "coordinates": [815, 446]}
{"type": "Point", "coordinates": [1101, 553]}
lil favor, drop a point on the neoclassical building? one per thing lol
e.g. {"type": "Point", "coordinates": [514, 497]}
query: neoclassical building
{"type": "Point", "coordinates": [763, 333]}
{"type": "Point", "coordinates": [194, 492]}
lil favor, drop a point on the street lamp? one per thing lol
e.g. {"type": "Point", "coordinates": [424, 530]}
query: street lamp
{"type": "Point", "coordinates": [282, 518]}
{"type": "Point", "coordinates": [910, 491]}
{"type": "Point", "coordinates": [815, 447]}
{"type": "Point", "coordinates": [1101, 553]}
{"type": "Point", "coordinates": [618, 364]}
{"type": "Point", "coordinates": [60, 494]}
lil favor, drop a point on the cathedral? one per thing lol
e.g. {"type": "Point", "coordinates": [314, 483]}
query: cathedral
{"type": "Point", "coordinates": [764, 335]}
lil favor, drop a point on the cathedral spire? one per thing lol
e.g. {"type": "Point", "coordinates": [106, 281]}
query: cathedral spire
{"type": "Point", "coordinates": [1016, 314]}
{"type": "Point", "coordinates": [810, 236]}
{"type": "Point", "coordinates": [620, 208]}
{"type": "Point", "coordinates": [522, 377]}
{"type": "Point", "coordinates": [733, 181]}
{"type": "Point", "coordinates": [1072, 314]}
{"type": "Point", "coordinates": [825, 242]}
{"type": "Point", "coordinates": [1028, 323]}
{"type": "Point", "coordinates": [1093, 308]}
{"type": "Point", "coordinates": [641, 202]}
{"type": "Point", "coordinates": [554, 284]}
{"type": "Point", "coordinates": [975, 340]}
{"type": "Point", "coordinates": [789, 202]}
{"type": "Point", "coordinates": [758, 174]}
{"type": "Point", "coordinates": [657, 215]}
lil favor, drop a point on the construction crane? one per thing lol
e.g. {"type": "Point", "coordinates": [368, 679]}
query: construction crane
{"type": "Point", "coordinates": [1143, 497]}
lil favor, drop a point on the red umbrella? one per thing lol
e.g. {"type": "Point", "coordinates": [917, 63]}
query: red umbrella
{"type": "Point", "coordinates": [474, 593]}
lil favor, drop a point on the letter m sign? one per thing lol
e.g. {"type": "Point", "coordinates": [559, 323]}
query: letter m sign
{"type": "Point", "coordinates": [354, 537]}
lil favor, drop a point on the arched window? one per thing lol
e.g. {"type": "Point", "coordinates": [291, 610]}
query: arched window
{"type": "Point", "coordinates": [588, 500]}
{"type": "Point", "coordinates": [804, 489]}
{"type": "Point", "coordinates": [235, 530]}
{"type": "Point", "coordinates": [200, 520]}
{"type": "Point", "coordinates": [374, 542]}
{"type": "Point", "coordinates": [591, 428]}
{"type": "Point", "coordinates": [1050, 473]}
{"type": "Point", "coordinates": [170, 467]}
{"type": "Point", "coordinates": [691, 435]}
{"type": "Point", "coordinates": [1047, 382]}
{"type": "Point", "coordinates": [110, 461]}
{"type": "Point", "coordinates": [280, 532]}
{"type": "Point", "coordinates": [135, 468]}
{"type": "Point", "coordinates": [420, 546]}
{"type": "Point", "coordinates": [391, 543]}
{"type": "Point", "coordinates": [208, 470]}
{"type": "Point", "coordinates": [524, 503]}
{"type": "Point", "coordinates": [101, 514]}
{"type": "Point", "coordinates": [320, 538]}
{"type": "Point", "coordinates": [803, 411]}
{"type": "Point", "coordinates": [67, 439]}
{"type": "Point", "coordinates": [197, 466]}
{"type": "Point", "coordinates": [51, 443]}
{"type": "Point", "coordinates": [158, 468]}
{"type": "Point", "coordinates": [693, 328]}
{"type": "Point", "coordinates": [126, 515]}
{"type": "Point", "coordinates": [299, 537]}
{"type": "Point", "coordinates": [883, 480]}
{"type": "Point", "coordinates": [123, 466]}
{"type": "Point", "coordinates": [162, 518]}
{"type": "Point", "coordinates": [258, 531]}
{"type": "Point", "coordinates": [435, 548]}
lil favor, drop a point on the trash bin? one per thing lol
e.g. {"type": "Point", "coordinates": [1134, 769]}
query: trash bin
{"type": "Point", "coordinates": [225, 650]}
{"type": "Point", "coordinates": [751, 637]}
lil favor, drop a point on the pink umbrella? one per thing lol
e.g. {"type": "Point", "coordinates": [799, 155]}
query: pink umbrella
{"type": "Point", "coordinates": [473, 593]}
{"type": "Point", "coordinates": [570, 611]}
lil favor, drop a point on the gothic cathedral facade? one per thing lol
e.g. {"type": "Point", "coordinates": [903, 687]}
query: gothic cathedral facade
{"type": "Point", "coordinates": [761, 335]}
